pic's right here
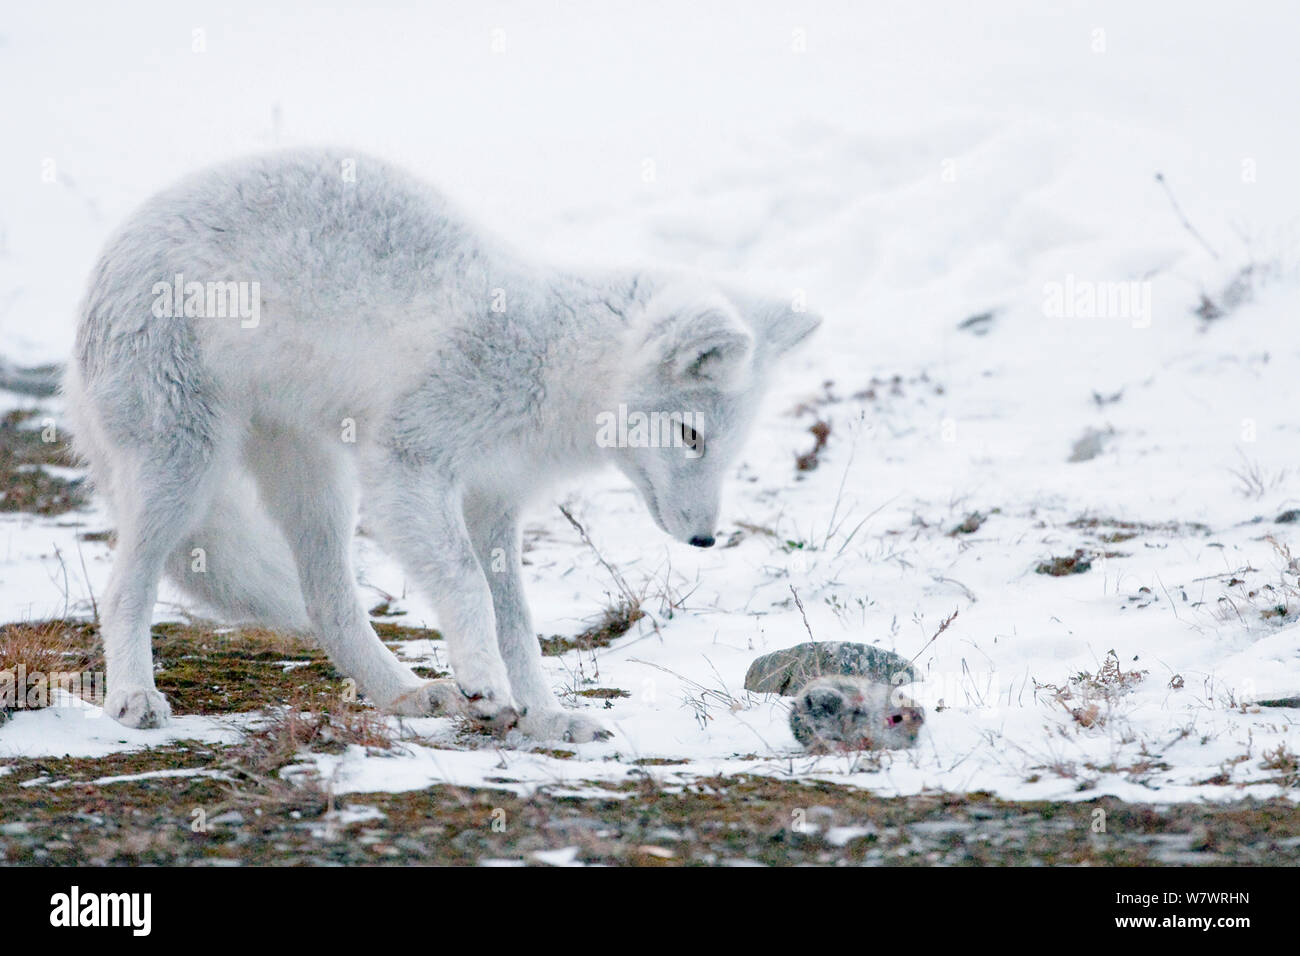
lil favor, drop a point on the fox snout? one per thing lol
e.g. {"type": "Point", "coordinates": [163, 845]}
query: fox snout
{"type": "Point", "coordinates": [703, 540]}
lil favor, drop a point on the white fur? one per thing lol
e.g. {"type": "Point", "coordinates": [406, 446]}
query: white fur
{"type": "Point", "coordinates": [469, 377]}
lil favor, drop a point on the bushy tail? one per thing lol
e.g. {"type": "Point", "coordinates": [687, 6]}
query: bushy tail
{"type": "Point", "coordinates": [238, 564]}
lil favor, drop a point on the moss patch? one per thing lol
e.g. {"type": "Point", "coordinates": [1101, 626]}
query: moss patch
{"type": "Point", "coordinates": [1076, 563]}
{"type": "Point", "coordinates": [28, 447]}
{"type": "Point", "coordinates": [615, 622]}
{"type": "Point", "coordinates": [389, 631]}
{"type": "Point", "coordinates": [206, 671]}
{"type": "Point", "coordinates": [201, 669]}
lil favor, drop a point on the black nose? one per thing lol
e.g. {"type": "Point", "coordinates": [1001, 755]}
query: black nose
{"type": "Point", "coordinates": [703, 541]}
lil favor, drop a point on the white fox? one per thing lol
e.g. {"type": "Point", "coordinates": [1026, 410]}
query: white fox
{"type": "Point", "coordinates": [387, 347]}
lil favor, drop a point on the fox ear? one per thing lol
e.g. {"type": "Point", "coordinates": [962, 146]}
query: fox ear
{"type": "Point", "coordinates": [781, 326]}
{"type": "Point", "coordinates": [712, 346]}
{"type": "Point", "coordinates": [700, 342]}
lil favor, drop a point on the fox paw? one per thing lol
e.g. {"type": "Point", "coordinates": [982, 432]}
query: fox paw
{"type": "Point", "coordinates": [488, 711]}
{"type": "Point", "coordinates": [139, 707]}
{"type": "Point", "coordinates": [445, 698]}
{"type": "Point", "coordinates": [435, 698]}
{"type": "Point", "coordinates": [563, 725]}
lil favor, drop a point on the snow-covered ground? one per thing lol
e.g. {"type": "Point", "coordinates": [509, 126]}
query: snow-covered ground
{"type": "Point", "coordinates": [907, 169]}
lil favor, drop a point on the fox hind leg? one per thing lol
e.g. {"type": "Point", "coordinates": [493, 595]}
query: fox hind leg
{"type": "Point", "coordinates": [307, 487]}
{"type": "Point", "coordinates": [170, 484]}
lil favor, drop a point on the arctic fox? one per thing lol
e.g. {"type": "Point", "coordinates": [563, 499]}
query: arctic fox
{"type": "Point", "coordinates": [268, 337]}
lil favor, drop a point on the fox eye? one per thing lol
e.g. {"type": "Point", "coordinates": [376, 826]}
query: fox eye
{"type": "Point", "coordinates": [691, 438]}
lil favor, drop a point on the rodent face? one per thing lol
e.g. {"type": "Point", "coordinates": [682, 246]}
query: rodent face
{"type": "Point", "coordinates": [904, 722]}
{"type": "Point", "coordinates": [851, 713]}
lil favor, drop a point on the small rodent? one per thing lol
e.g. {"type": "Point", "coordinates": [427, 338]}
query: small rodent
{"type": "Point", "coordinates": [853, 713]}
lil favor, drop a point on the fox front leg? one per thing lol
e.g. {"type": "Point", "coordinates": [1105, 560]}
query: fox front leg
{"type": "Point", "coordinates": [419, 518]}
{"type": "Point", "coordinates": [494, 528]}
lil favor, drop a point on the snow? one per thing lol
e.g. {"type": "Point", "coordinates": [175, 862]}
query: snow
{"type": "Point", "coordinates": [74, 728]}
{"type": "Point", "coordinates": [154, 775]}
{"type": "Point", "coordinates": [911, 169]}
{"type": "Point", "coordinates": [336, 820]}
{"type": "Point", "coordinates": [566, 856]}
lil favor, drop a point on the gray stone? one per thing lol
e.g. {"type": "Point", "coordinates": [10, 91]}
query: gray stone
{"type": "Point", "coordinates": [1089, 445]}
{"type": "Point", "coordinates": [786, 671]}
{"type": "Point", "coordinates": [40, 381]}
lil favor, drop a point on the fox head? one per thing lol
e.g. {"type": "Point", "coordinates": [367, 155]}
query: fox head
{"type": "Point", "coordinates": [699, 361]}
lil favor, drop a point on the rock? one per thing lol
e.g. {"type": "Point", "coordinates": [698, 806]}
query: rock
{"type": "Point", "coordinates": [972, 524]}
{"type": "Point", "coordinates": [835, 714]}
{"type": "Point", "coordinates": [1202, 838]}
{"type": "Point", "coordinates": [978, 324]}
{"type": "Point", "coordinates": [787, 671]}
{"type": "Point", "coordinates": [1089, 445]}
{"type": "Point", "coordinates": [40, 381]}
{"type": "Point", "coordinates": [1077, 563]}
